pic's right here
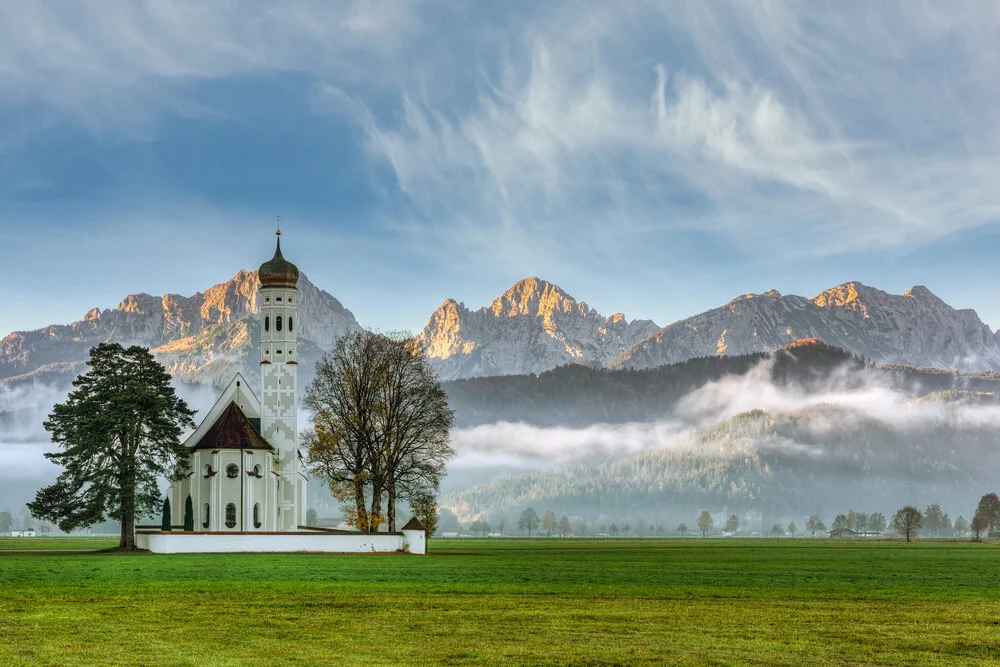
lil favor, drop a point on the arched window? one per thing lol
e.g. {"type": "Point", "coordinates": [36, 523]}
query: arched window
{"type": "Point", "coordinates": [267, 323]}
{"type": "Point", "coordinates": [232, 471]}
{"type": "Point", "coordinates": [256, 470]}
{"type": "Point", "coordinates": [277, 323]}
{"type": "Point", "coordinates": [230, 515]}
{"type": "Point", "coordinates": [205, 514]}
{"type": "Point", "coordinates": [290, 322]}
{"type": "Point", "coordinates": [256, 515]}
{"type": "Point", "coordinates": [207, 470]}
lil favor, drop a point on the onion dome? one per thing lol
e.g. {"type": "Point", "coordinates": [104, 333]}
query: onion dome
{"type": "Point", "coordinates": [278, 271]}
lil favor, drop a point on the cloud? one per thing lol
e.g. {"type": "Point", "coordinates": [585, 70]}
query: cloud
{"type": "Point", "coordinates": [117, 66]}
{"type": "Point", "coordinates": [818, 130]}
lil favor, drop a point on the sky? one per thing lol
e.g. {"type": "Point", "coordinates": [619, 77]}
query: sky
{"type": "Point", "coordinates": [652, 158]}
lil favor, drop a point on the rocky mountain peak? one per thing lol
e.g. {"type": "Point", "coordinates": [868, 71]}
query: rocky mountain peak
{"type": "Point", "coordinates": [532, 296]}
{"type": "Point", "coordinates": [532, 327]}
{"type": "Point", "coordinates": [851, 294]}
{"type": "Point", "coordinates": [916, 328]}
{"type": "Point", "coordinates": [921, 293]}
{"type": "Point", "coordinates": [204, 336]}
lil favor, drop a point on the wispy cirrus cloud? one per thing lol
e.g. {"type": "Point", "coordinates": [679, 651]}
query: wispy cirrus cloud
{"type": "Point", "coordinates": [647, 138]}
{"type": "Point", "coordinates": [822, 129]}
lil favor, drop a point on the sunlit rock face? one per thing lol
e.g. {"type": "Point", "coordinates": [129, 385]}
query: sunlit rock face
{"type": "Point", "coordinates": [532, 327]}
{"type": "Point", "coordinates": [916, 328]}
{"type": "Point", "coordinates": [205, 337]}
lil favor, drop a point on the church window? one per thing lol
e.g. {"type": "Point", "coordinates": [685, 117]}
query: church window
{"type": "Point", "coordinates": [277, 299]}
{"type": "Point", "coordinates": [207, 470]}
{"type": "Point", "coordinates": [277, 323]}
{"type": "Point", "coordinates": [267, 299]}
{"type": "Point", "coordinates": [256, 470]}
{"type": "Point", "coordinates": [289, 322]}
{"type": "Point", "coordinates": [289, 299]}
{"type": "Point", "coordinates": [279, 351]}
{"type": "Point", "coordinates": [267, 351]}
{"type": "Point", "coordinates": [267, 323]}
{"type": "Point", "coordinates": [205, 514]}
{"type": "Point", "coordinates": [230, 515]}
{"type": "Point", "coordinates": [256, 515]}
{"type": "Point", "coordinates": [232, 471]}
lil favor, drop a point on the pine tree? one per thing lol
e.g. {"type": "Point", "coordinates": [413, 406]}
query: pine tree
{"type": "Point", "coordinates": [119, 431]}
{"type": "Point", "coordinates": [165, 521]}
{"type": "Point", "coordinates": [188, 515]}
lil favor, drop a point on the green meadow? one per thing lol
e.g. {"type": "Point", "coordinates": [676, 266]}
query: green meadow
{"type": "Point", "coordinates": [516, 601]}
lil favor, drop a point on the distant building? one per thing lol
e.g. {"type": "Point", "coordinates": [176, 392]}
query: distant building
{"type": "Point", "coordinates": [843, 532]}
{"type": "Point", "coordinates": [28, 532]}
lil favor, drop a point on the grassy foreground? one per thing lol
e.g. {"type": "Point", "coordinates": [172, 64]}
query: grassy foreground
{"type": "Point", "coordinates": [517, 601]}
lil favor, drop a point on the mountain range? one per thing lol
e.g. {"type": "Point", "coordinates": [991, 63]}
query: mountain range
{"type": "Point", "coordinates": [533, 327]}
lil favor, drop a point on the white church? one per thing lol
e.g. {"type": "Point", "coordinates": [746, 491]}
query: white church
{"type": "Point", "coordinates": [247, 481]}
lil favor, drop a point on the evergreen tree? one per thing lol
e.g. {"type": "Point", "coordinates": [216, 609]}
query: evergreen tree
{"type": "Point", "coordinates": [165, 521]}
{"type": "Point", "coordinates": [119, 431]}
{"type": "Point", "coordinates": [188, 515]}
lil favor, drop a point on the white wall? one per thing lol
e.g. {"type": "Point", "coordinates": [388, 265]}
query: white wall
{"type": "Point", "coordinates": [182, 543]}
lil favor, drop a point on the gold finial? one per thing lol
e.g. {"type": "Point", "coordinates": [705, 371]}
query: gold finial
{"type": "Point", "coordinates": [278, 218]}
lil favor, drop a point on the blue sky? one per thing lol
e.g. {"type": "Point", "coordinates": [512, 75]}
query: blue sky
{"type": "Point", "coordinates": [654, 158]}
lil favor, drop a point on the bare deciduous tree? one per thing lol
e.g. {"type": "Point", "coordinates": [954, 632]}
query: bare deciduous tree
{"type": "Point", "coordinates": [380, 425]}
{"type": "Point", "coordinates": [908, 521]}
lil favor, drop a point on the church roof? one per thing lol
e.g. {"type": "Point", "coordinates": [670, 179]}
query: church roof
{"type": "Point", "coordinates": [278, 271]}
{"type": "Point", "coordinates": [414, 524]}
{"type": "Point", "coordinates": [232, 430]}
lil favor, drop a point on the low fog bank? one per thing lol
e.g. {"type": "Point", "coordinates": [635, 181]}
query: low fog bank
{"type": "Point", "coordinates": [850, 437]}
{"type": "Point", "coordinates": [853, 440]}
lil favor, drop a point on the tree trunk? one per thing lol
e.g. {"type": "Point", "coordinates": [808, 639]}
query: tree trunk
{"type": "Point", "coordinates": [390, 512]}
{"type": "Point", "coordinates": [127, 540]}
{"type": "Point", "coordinates": [375, 514]}
{"type": "Point", "coordinates": [359, 501]}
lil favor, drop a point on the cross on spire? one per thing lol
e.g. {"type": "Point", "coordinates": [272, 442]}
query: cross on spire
{"type": "Point", "coordinates": [278, 218]}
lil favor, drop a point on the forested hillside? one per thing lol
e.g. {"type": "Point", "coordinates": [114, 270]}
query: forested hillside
{"type": "Point", "coordinates": [936, 450]}
{"type": "Point", "coordinates": [579, 396]}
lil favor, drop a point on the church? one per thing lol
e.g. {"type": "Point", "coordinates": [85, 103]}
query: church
{"type": "Point", "coordinates": [247, 480]}
{"type": "Point", "coordinates": [246, 470]}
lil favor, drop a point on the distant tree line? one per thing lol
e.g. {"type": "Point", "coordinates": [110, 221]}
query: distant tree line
{"type": "Point", "coordinates": [908, 522]}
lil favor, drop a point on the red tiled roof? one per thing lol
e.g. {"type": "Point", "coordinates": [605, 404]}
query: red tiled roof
{"type": "Point", "coordinates": [232, 430]}
{"type": "Point", "coordinates": [414, 524]}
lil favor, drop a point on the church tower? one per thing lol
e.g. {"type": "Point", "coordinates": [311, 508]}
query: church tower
{"type": "Point", "coordinates": [278, 364]}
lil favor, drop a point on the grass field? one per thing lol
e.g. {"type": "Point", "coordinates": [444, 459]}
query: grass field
{"type": "Point", "coordinates": [516, 601]}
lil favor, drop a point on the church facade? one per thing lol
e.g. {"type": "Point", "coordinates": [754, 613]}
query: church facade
{"type": "Point", "coordinates": [246, 472]}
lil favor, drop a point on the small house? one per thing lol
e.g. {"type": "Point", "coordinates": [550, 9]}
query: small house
{"type": "Point", "coordinates": [843, 532]}
{"type": "Point", "coordinates": [28, 532]}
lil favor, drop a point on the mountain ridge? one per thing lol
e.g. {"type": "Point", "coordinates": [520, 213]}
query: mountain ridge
{"type": "Point", "coordinates": [532, 327]}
